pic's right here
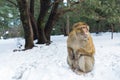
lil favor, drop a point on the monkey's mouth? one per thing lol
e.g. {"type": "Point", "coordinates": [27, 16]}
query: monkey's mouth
{"type": "Point", "coordinates": [85, 37]}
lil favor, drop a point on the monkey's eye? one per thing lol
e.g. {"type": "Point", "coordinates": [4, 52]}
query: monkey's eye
{"type": "Point", "coordinates": [83, 27]}
{"type": "Point", "coordinates": [78, 28]}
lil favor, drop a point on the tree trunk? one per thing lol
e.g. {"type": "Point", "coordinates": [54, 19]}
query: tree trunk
{"type": "Point", "coordinates": [112, 30]}
{"type": "Point", "coordinates": [44, 6]}
{"type": "Point", "coordinates": [97, 30]}
{"type": "Point", "coordinates": [68, 25]}
{"type": "Point", "coordinates": [64, 30]}
{"type": "Point", "coordinates": [33, 22]}
{"type": "Point", "coordinates": [34, 27]}
{"type": "Point", "coordinates": [68, 19]}
{"type": "Point", "coordinates": [51, 21]}
{"type": "Point", "coordinates": [25, 18]}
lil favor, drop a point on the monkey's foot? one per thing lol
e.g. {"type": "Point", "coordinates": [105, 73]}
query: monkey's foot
{"type": "Point", "coordinates": [79, 72]}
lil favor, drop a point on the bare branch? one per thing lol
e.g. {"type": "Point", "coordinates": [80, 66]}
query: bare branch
{"type": "Point", "coordinates": [13, 3]}
{"type": "Point", "coordinates": [61, 12]}
{"type": "Point", "coordinates": [56, 1]}
{"type": "Point", "coordinates": [74, 3]}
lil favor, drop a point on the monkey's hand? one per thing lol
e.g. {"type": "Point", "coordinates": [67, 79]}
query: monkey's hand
{"type": "Point", "coordinates": [71, 56]}
{"type": "Point", "coordinates": [70, 53]}
{"type": "Point", "coordinates": [81, 52]}
{"type": "Point", "coordinates": [77, 55]}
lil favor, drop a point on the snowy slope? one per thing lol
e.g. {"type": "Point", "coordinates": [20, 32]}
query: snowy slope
{"type": "Point", "coordinates": [49, 62]}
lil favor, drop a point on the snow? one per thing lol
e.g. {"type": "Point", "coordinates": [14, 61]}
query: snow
{"type": "Point", "coordinates": [49, 62]}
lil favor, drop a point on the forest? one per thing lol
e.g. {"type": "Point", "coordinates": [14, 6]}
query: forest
{"type": "Point", "coordinates": [39, 19]}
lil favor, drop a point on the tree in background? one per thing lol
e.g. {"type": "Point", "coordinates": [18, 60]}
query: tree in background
{"type": "Point", "coordinates": [26, 22]}
{"type": "Point", "coordinates": [99, 14]}
{"type": "Point", "coordinates": [44, 15]}
{"type": "Point", "coordinates": [41, 27]}
{"type": "Point", "coordinates": [8, 17]}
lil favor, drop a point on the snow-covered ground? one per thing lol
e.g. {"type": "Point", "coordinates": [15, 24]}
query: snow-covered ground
{"type": "Point", "coordinates": [49, 62]}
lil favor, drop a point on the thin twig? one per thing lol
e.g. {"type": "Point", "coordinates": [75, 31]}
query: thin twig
{"type": "Point", "coordinates": [12, 3]}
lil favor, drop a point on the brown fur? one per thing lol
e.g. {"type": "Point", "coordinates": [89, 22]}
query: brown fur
{"type": "Point", "coordinates": [80, 48]}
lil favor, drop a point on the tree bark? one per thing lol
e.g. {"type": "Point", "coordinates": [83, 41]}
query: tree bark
{"type": "Point", "coordinates": [68, 25]}
{"type": "Point", "coordinates": [97, 30]}
{"type": "Point", "coordinates": [25, 18]}
{"type": "Point", "coordinates": [51, 20]}
{"type": "Point", "coordinates": [68, 19]}
{"type": "Point", "coordinates": [44, 6]}
{"type": "Point", "coordinates": [33, 22]}
{"type": "Point", "coordinates": [112, 30]}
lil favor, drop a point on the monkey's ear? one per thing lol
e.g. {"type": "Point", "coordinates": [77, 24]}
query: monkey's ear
{"type": "Point", "coordinates": [75, 25]}
{"type": "Point", "coordinates": [88, 27]}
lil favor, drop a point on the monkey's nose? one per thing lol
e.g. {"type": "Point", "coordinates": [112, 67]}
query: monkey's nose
{"type": "Point", "coordinates": [85, 35]}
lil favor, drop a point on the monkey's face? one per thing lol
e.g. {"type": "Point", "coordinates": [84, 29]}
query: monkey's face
{"type": "Point", "coordinates": [83, 32]}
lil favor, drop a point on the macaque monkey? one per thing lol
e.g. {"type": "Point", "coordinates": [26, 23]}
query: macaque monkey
{"type": "Point", "coordinates": [80, 49]}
